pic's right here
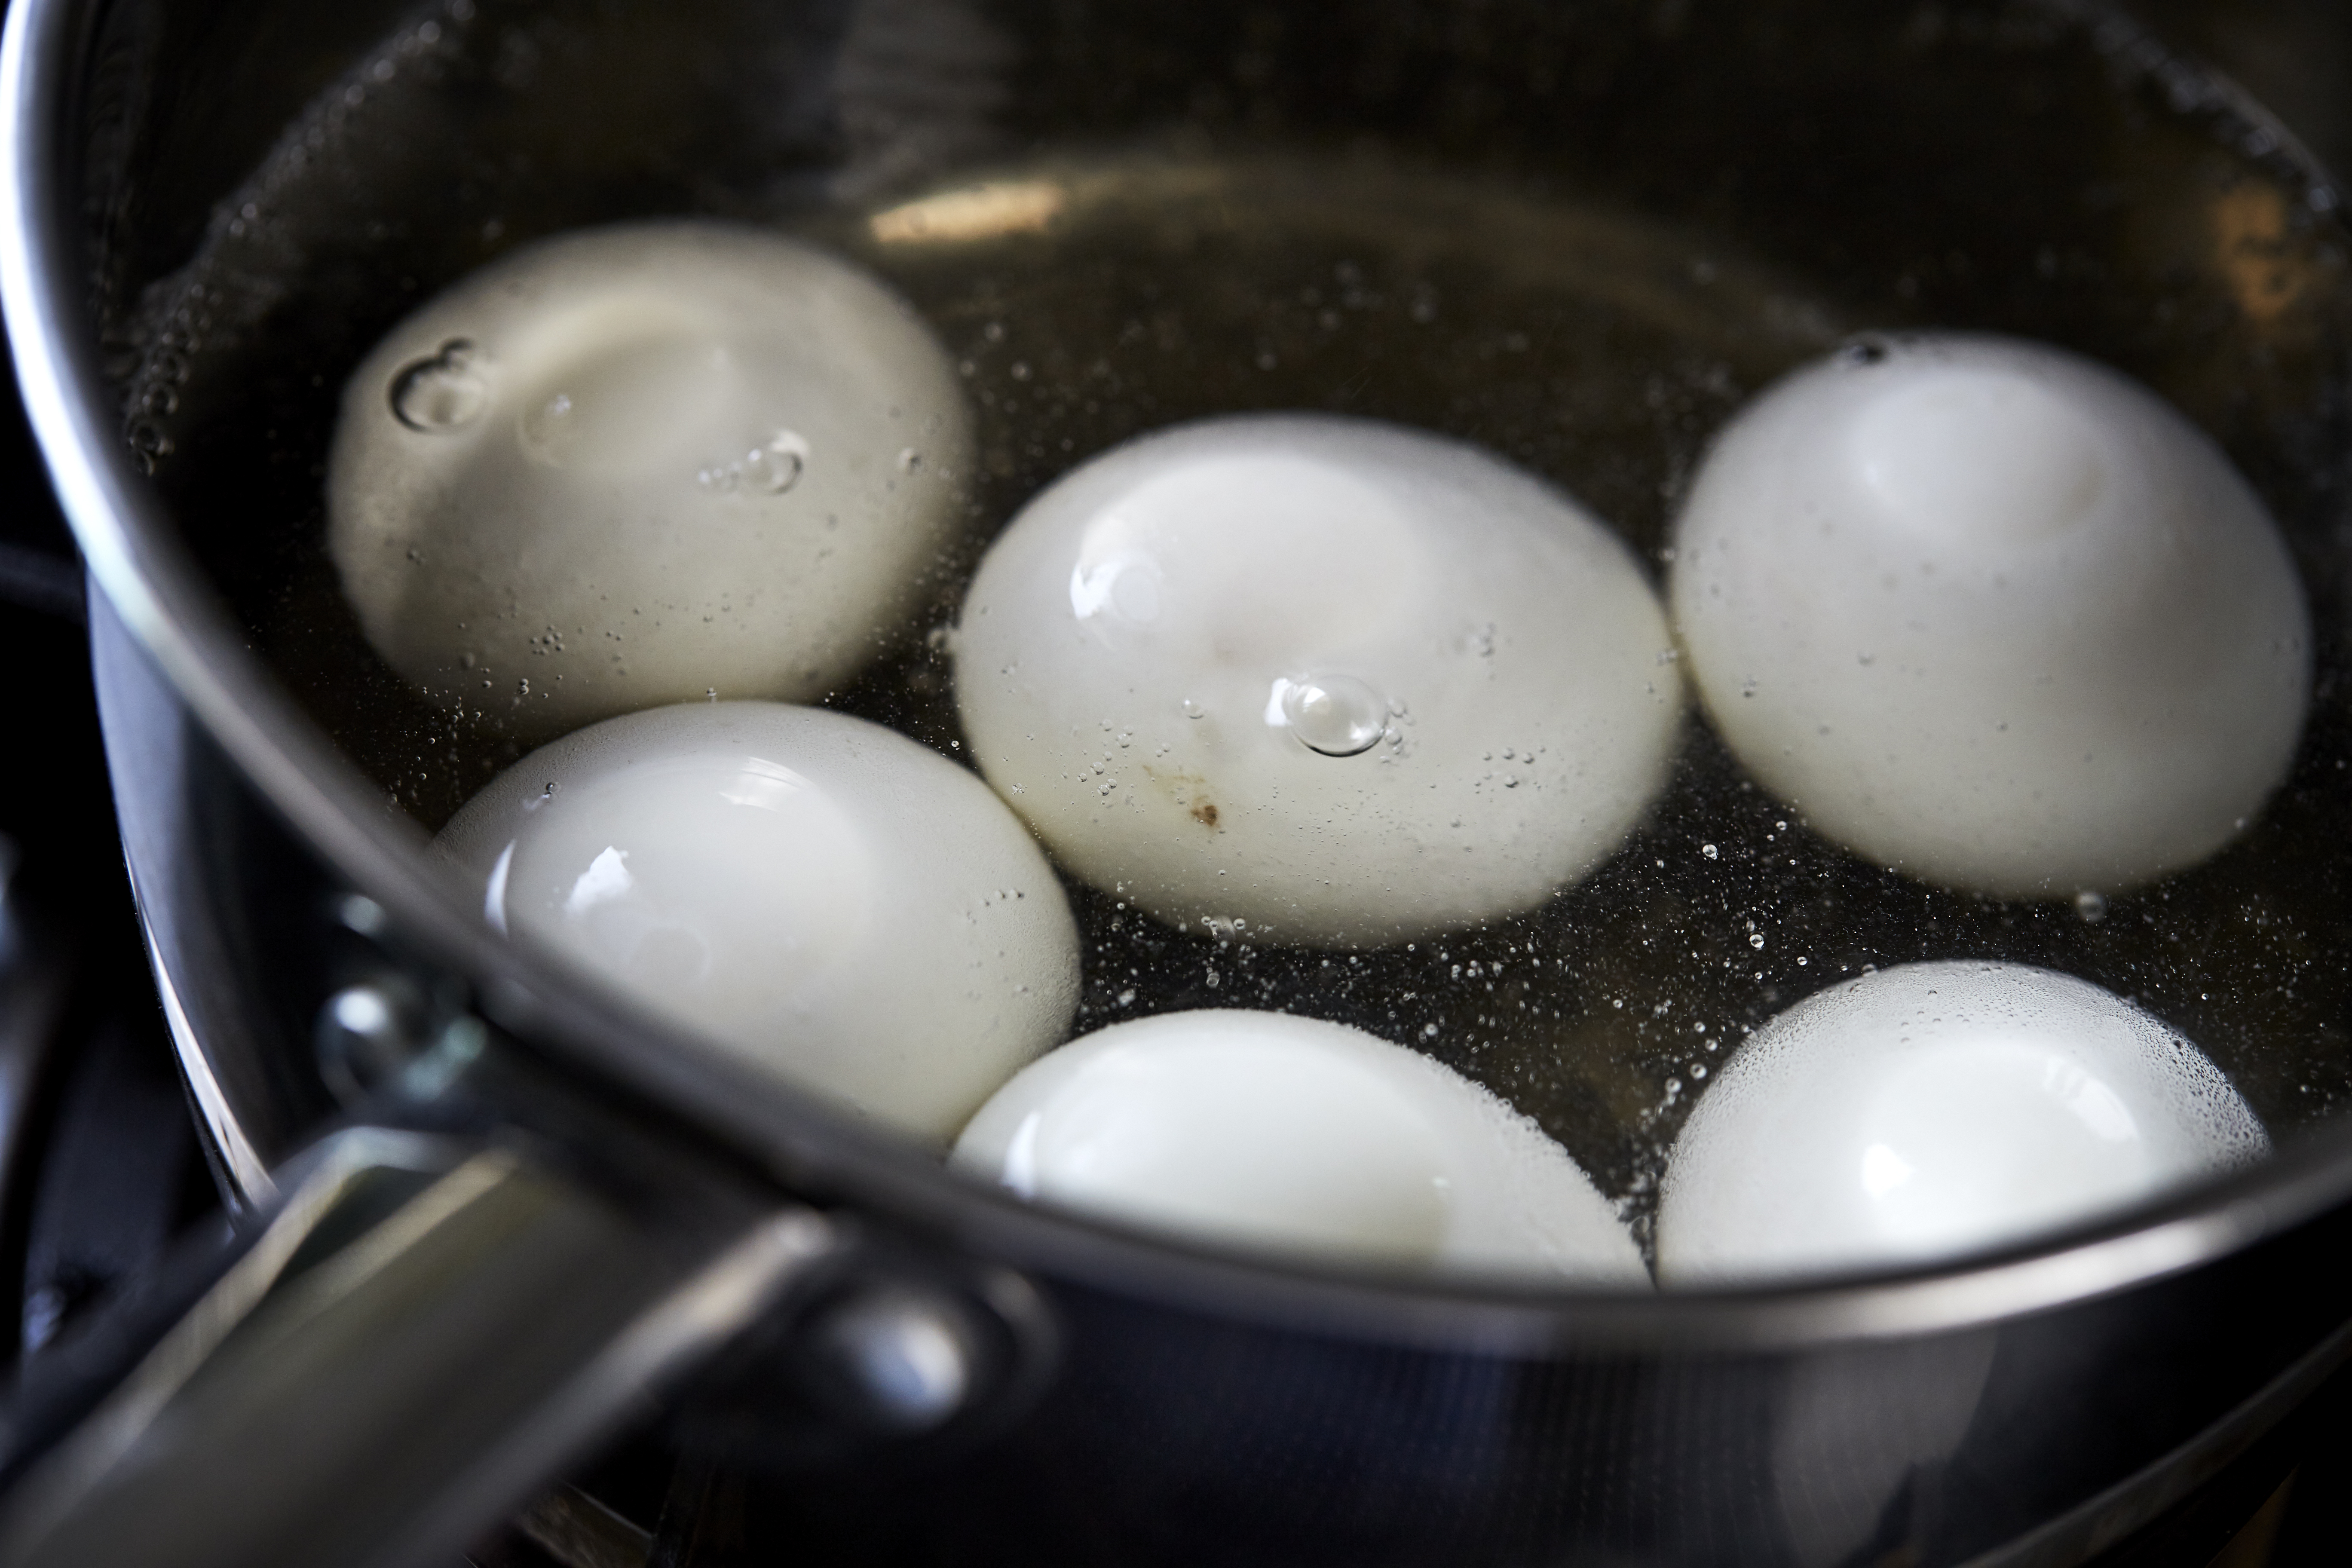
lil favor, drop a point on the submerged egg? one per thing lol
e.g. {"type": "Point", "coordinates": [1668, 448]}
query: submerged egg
{"type": "Point", "coordinates": [1268, 1132]}
{"type": "Point", "coordinates": [625, 466]}
{"type": "Point", "coordinates": [1933, 1109]}
{"type": "Point", "coordinates": [1993, 614]}
{"type": "Point", "coordinates": [831, 902]}
{"type": "Point", "coordinates": [1333, 681]}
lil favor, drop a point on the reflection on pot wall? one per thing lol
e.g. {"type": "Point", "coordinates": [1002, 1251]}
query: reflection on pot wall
{"type": "Point", "coordinates": [2294, 55]}
{"type": "Point", "coordinates": [1165, 1425]}
{"type": "Point", "coordinates": [1861, 1444]}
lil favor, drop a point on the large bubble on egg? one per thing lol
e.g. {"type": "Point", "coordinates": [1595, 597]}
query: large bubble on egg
{"type": "Point", "coordinates": [1934, 1110]}
{"type": "Point", "coordinates": [826, 899]}
{"type": "Point", "coordinates": [1290, 1135]}
{"type": "Point", "coordinates": [631, 466]}
{"type": "Point", "coordinates": [1323, 680]}
{"type": "Point", "coordinates": [1992, 614]}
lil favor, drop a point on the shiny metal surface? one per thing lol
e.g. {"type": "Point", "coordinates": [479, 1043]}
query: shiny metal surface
{"type": "Point", "coordinates": [350, 1409]}
{"type": "Point", "coordinates": [174, 619]}
{"type": "Point", "coordinates": [1460, 1421]}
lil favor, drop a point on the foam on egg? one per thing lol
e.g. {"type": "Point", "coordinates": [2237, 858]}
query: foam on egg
{"type": "Point", "coordinates": [1993, 614]}
{"type": "Point", "coordinates": [630, 466]}
{"type": "Point", "coordinates": [1320, 680]}
{"type": "Point", "coordinates": [824, 899]}
{"type": "Point", "coordinates": [1933, 1109]}
{"type": "Point", "coordinates": [1271, 1132]}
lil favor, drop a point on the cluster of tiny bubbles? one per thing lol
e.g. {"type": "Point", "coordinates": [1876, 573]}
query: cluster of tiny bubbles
{"type": "Point", "coordinates": [769, 468]}
{"type": "Point", "coordinates": [147, 443]}
{"type": "Point", "coordinates": [1332, 715]}
{"type": "Point", "coordinates": [445, 393]}
{"type": "Point", "coordinates": [1583, 1012]}
{"type": "Point", "coordinates": [157, 383]}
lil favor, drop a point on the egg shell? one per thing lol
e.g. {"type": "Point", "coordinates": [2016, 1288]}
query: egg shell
{"type": "Point", "coordinates": [1151, 655]}
{"type": "Point", "coordinates": [628, 466]}
{"type": "Point", "coordinates": [1994, 614]}
{"type": "Point", "coordinates": [1290, 1135]}
{"type": "Point", "coordinates": [1934, 1110]}
{"type": "Point", "coordinates": [818, 896]}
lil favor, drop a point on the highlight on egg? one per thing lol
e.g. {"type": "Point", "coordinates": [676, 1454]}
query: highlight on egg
{"type": "Point", "coordinates": [825, 899]}
{"type": "Point", "coordinates": [1271, 1132]}
{"type": "Point", "coordinates": [1993, 614]}
{"type": "Point", "coordinates": [1321, 680]}
{"type": "Point", "coordinates": [1934, 1110]}
{"type": "Point", "coordinates": [631, 466]}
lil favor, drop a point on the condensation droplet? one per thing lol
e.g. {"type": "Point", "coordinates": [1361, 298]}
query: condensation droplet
{"type": "Point", "coordinates": [442, 393]}
{"type": "Point", "coordinates": [910, 461]}
{"type": "Point", "coordinates": [1193, 710]}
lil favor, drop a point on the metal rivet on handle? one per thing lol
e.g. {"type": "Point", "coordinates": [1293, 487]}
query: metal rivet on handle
{"type": "Point", "coordinates": [903, 1355]}
{"type": "Point", "coordinates": [366, 1032]}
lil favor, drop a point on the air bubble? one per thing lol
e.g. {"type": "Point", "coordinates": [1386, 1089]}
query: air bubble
{"type": "Point", "coordinates": [775, 467]}
{"type": "Point", "coordinates": [441, 394]}
{"type": "Point", "coordinates": [1335, 715]}
{"type": "Point", "coordinates": [548, 429]}
{"type": "Point", "coordinates": [2091, 905]}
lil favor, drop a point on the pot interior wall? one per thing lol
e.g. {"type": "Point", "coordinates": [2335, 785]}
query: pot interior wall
{"type": "Point", "coordinates": [1580, 236]}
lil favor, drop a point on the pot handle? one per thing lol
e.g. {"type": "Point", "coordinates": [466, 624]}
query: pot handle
{"type": "Point", "coordinates": [424, 1330]}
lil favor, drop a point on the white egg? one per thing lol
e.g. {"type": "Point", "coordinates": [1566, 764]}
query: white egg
{"type": "Point", "coordinates": [819, 896]}
{"type": "Point", "coordinates": [1276, 1133]}
{"type": "Point", "coordinates": [1326, 681]}
{"type": "Point", "coordinates": [629, 466]}
{"type": "Point", "coordinates": [1994, 614]}
{"type": "Point", "coordinates": [1933, 1109]}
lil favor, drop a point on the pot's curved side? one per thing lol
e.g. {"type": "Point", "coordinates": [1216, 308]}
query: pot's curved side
{"type": "Point", "coordinates": [2038, 1436]}
{"type": "Point", "coordinates": [1202, 1407]}
{"type": "Point", "coordinates": [50, 101]}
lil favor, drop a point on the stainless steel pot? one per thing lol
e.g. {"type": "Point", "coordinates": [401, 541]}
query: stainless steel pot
{"type": "Point", "coordinates": [534, 1215]}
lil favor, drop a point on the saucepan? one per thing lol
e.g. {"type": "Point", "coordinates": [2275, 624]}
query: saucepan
{"type": "Point", "coordinates": [498, 1205]}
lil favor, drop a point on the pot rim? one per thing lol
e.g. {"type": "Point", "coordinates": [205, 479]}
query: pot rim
{"type": "Point", "coordinates": [137, 562]}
